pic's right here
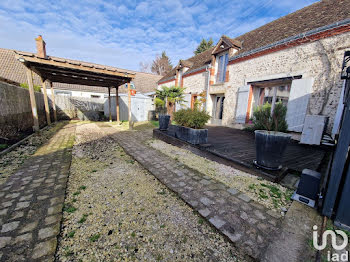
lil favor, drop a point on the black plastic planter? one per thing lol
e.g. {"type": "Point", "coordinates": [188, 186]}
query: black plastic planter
{"type": "Point", "coordinates": [270, 147]}
{"type": "Point", "coordinates": [190, 135]}
{"type": "Point", "coordinates": [164, 122]}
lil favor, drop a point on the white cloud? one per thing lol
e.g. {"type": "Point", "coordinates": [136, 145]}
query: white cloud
{"type": "Point", "coordinates": [123, 34]}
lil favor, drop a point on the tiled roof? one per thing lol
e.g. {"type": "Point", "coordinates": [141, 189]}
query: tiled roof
{"type": "Point", "coordinates": [323, 13]}
{"type": "Point", "coordinates": [320, 14]}
{"type": "Point", "coordinates": [13, 70]}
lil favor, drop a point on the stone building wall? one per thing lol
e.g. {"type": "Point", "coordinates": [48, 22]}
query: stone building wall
{"type": "Point", "coordinates": [168, 84]}
{"type": "Point", "coordinates": [321, 60]}
{"type": "Point", "coordinates": [196, 83]}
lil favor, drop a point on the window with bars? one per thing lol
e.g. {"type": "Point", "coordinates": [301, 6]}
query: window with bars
{"type": "Point", "coordinates": [221, 72]}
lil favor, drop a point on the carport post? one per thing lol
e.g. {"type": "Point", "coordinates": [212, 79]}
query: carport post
{"type": "Point", "coordinates": [117, 104]}
{"type": "Point", "coordinates": [109, 104]}
{"type": "Point", "coordinates": [46, 101]}
{"type": "Point", "coordinates": [129, 107]}
{"type": "Point", "coordinates": [53, 101]}
{"type": "Point", "coordinates": [32, 99]}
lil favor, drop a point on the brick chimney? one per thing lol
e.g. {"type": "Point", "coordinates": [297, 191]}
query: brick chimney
{"type": "Point", "coordinates": [40, 47]}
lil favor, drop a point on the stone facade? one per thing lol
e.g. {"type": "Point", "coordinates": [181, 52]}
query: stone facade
{"type": "Point", "coordinates": [167, 83]}
{"type": "Point", "coordinates": [196, 83]}
{"type": "Point", "coordinates": [320, 60]}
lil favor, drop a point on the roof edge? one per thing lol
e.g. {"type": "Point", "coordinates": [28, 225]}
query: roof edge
{"type": "Point", "coordinates": [292, 38]}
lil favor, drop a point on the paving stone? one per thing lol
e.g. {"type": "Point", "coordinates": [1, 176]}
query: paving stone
{"type": "Point", "coordinates": [52, 219]}
{"type": "Point", "coordinates": [24, 198]}
{"type": "Point", "coordinates": [48, 232]}
{"type": "Point", "coordinates": [205, 201]}
{"type": "Point", "coordinates": [204, 212]}
{"type": "Point", "coordinates": [182, 184]}
{"type": "Point", "coordinates": [244, 197]}
{"type": "Point", "coordinates": [13, 195]}
{"type": "Point", "coordinates": [9, 226]}
{"type": "Point", "coordinates": [7, 203]}
{"type": "Point", "coordinates": [233, 191]}
{"type": "Point", "coordinates": [21, 205]}
{"type": "Point", "coordinates": [259, 214]}
{"type": "Point", "coordinates": [29, 227]}
{"type": "Point", "coordinates": [25, 237]}
{"type": "Point", "coordinates": [45, 248]}
{"type": "Point", "coordinates": [18, 214]}
{"type": "Point", "coordinates": [3, 212]}
{"type": "Point", "coordinates": [233, 237]}
{"type": "Point", "coordinates": [4, 241]}
{"type": "Point", "coordinates": [42, 197]}
{"type": "Point", "coordinates": [205, 182]}
{"type": "Point", "coordinates": [209, 193]}
{"type": "Point", "coordinates": [54, 209]}
{"type": "Point", "coordinates": [273, 214]}
{"type": "Point", "coordinates": [217, 222]}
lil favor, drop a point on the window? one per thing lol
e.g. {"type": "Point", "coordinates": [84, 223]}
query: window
{"type": "Point", "coordinates": [274, 94]}
{"type": "Point", "coordinates": [221, 72]}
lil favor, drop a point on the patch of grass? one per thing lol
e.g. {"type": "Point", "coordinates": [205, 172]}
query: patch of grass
{"type": "Point", "coordinates": [74, 200]}
{"type": "Point", "coordinates": [94, 238]}
{"type": "Point", "coordinates": [3, 146]}
{"type": "Point", "coordinates": [131, 161]}
{"type": "Point", "coordinates": [159, 257]}
{"type": "Point", "coordinates": [94, 170]}
{"type": "Point", "coordinates": [83, 219]}
{"type": "Point", "coordinates": [252, 186]}
{"type": "Point", "coordinates": [200, 221]}
{"type": "Point", "coordinates": [82, 187]}
{"type": "Point", "coordinates": [155, 123]}
{"type": "Point", "coordinates": [68, 252]}
{"type": "Point", "coordinates": [76, 193]}
{"type": "Point", "coordinates": [69, 208]}
{"type": "Point", "coordinates": [71, 234]}
{"type": "Point", "coordinates": [133, 234]}
{"type": "Point", "coordinates": [161, 192]}
{"type": "Point", "coordinates": [162, 226]}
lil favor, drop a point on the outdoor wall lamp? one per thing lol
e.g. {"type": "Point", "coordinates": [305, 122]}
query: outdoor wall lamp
{"type": "Point", "coordinates": [21, 59]}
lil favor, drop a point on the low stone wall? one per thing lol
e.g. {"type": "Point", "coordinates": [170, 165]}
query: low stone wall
{"type": "Point", "coordinates": [16, 112]}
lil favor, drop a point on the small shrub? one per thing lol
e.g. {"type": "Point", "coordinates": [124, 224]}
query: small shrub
{"type": "Point", "coordinates": [71, 234]}
{"type": "Point", "coordinates": [36, 88]}
{"type": "Point", "coordinates": [263, 120]}
{"type": "Point", "coordinates": [191, 118]}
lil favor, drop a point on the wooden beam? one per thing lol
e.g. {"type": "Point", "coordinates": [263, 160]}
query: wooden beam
{"type": "Point", "coordinates": [117, 103]}
{"type": "Point", "coordinates": [129, 107]}
{"type": "Point", "coordinates": [67, 65]}
{"type": "Point", "coordinates": [53, 101]}
{"type": "Point", "coordinates": [46, 101]}
{"type": "Point", "coordinates": [109, 104]}
{"type": "Point", "coordinates": [32, 99]}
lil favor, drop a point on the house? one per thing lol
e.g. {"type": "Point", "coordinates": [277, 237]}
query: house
{"type": "Point", "coordinates": [14, 71]}
{"type": "Point", "coordinates": [295, 59]}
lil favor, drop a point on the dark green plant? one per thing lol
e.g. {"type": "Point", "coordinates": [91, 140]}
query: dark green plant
{"type": "Point", "coordinates": [191, 118]}
{"type": "Point", "coordinates": [264, 120]}
{"type": "Point", "coordinates": [169, 96]}
{"type": "Point", "coordinates": [36, 88]}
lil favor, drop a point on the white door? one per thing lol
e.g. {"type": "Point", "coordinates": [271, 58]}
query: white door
{"type": "Point", "coordinates": [298, 102]}
{"type": "Point", "coordinates": [242, 104]}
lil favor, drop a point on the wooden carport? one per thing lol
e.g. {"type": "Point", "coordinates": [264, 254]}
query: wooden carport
{"type": "Point", "coordinates": [52, 69]}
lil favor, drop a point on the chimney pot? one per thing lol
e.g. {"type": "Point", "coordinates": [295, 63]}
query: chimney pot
{"type": "Point", "coordinates": [40, 47]}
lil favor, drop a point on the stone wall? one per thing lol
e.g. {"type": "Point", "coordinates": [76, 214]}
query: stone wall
{"type": "Point", "coordinates": [16, 112]}
{"type": "Point", "coordinates": [320, 60]}
{"type": "Point", "coordinates": [196, 83]}
{"type": "Point", "coordinates": [168, 84]}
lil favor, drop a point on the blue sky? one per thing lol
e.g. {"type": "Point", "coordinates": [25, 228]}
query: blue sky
{"type": "Point", "coordinates": [125, 33]}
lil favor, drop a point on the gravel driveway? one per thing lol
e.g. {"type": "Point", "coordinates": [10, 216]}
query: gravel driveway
{"type": "Point", "coordinates": [115, 210]}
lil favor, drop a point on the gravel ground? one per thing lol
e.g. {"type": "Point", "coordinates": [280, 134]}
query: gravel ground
{"type": "Point", "coordinates": [12, 160]}
{"type": "Point", "coordinates": [271, 195]}
{"type": "Point", "coordinates": [115, 210]}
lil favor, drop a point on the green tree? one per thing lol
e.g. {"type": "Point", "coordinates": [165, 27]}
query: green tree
{"type": "Point", "coordinates": [170, 96]}
{"type": "Point", "coordinates": [203, 46]}
{"type": "Point", "coordinates": [161, 65]}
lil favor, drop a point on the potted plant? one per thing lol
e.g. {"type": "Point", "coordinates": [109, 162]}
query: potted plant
{"type": "Point", "coordinates": [190, 123]}
{"type": "Point", "coordinates": [168, 96]}
{"type": "Point", "coordinates": [270, 138]}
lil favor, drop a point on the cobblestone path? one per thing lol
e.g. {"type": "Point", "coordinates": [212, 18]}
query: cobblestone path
{"type": "Point", "coordinates": [248, 224]}
{"type": "Point", "coordinates": [31, 201]}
